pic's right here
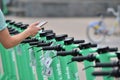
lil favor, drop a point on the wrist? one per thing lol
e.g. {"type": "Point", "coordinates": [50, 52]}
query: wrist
{"type": "Point", "coordinates": [27, 32]}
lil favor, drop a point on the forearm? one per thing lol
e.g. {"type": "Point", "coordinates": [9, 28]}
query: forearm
{"type": "Point", "coordinates": [16, 39]}
{"type": "Point", "coordinates": [11, 41]}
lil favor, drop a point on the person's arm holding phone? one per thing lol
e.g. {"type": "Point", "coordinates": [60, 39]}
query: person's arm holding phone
{"type": "Point", "coordinates": [9, 41]}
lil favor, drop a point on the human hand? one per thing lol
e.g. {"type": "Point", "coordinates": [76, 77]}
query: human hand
{"type": "Point", "coordinates": [33, 29]}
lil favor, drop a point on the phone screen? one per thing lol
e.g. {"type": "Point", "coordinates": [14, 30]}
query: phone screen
{"type": "Point", "coordinates": [41, 24]}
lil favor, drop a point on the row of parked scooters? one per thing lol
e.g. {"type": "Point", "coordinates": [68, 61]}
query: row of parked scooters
{"type": "Point", "coordinates": [49, 56]}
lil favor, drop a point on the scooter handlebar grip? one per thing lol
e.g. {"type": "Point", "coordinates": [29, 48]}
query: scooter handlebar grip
{"type": "Point", "coordinates": [113, 49]}
{"type": "Point", "coordinates": [58, 48]}
{"type": "Point", "coordinates": [65, 53]}
{"type": "Point", "coordinates": [35, 43]}
{"type": "Point", "coordinates": [78, 41]}
{"type": "Point", "coordinates": [89, 57]}
{"type": "Point", "coordinates": [48, 31]}
{"type": "Point", "coordinates": [29, 40]}
{"type": "Point", "coordinates": [101, 73]}
{"type": "Point", "coordinates": [79, 58]}
{"type": "Point", "coordinates": [93, 45]}
{"type": "Point", "coordinates": [113, 64]}
{"type": "Point", "coordinates": [44, 44]}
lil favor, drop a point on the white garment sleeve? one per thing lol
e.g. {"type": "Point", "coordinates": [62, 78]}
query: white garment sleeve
{"type": "Point", "coordinates": [3, 24]}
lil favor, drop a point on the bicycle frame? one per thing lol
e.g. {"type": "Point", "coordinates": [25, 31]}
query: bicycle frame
{"type": "Point", "coordinates": [100, 30]}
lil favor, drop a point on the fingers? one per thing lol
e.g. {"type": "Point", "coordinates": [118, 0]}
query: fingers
{"type": "Point", "coordinates": [33, 29]}
{"type": "Point", "coordinates": [35, 23]}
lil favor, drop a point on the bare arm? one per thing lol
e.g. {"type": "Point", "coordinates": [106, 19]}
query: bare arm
{"type": "Point", "coordinates": [9, 41]}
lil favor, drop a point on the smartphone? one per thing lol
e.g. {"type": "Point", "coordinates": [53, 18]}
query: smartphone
{"type": "Point", "coordinates": [41, 24]}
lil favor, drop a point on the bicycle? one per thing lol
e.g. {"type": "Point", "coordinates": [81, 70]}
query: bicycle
{"type": "Point", "coordinates": [97, 30]}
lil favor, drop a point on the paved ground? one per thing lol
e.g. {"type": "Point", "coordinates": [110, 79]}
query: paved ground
{"type": "Point", "coordinates": [74, 27]}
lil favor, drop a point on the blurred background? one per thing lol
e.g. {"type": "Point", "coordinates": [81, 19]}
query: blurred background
{"type": "Point", "coordinates": [57, 8]}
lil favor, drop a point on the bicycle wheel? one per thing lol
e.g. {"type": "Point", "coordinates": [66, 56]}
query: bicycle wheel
{"type": "Point", "coordinates": [94, 36]}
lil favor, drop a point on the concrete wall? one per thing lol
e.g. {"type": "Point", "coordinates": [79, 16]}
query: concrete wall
{"type": "Point", "coordinates": [66, 8]}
